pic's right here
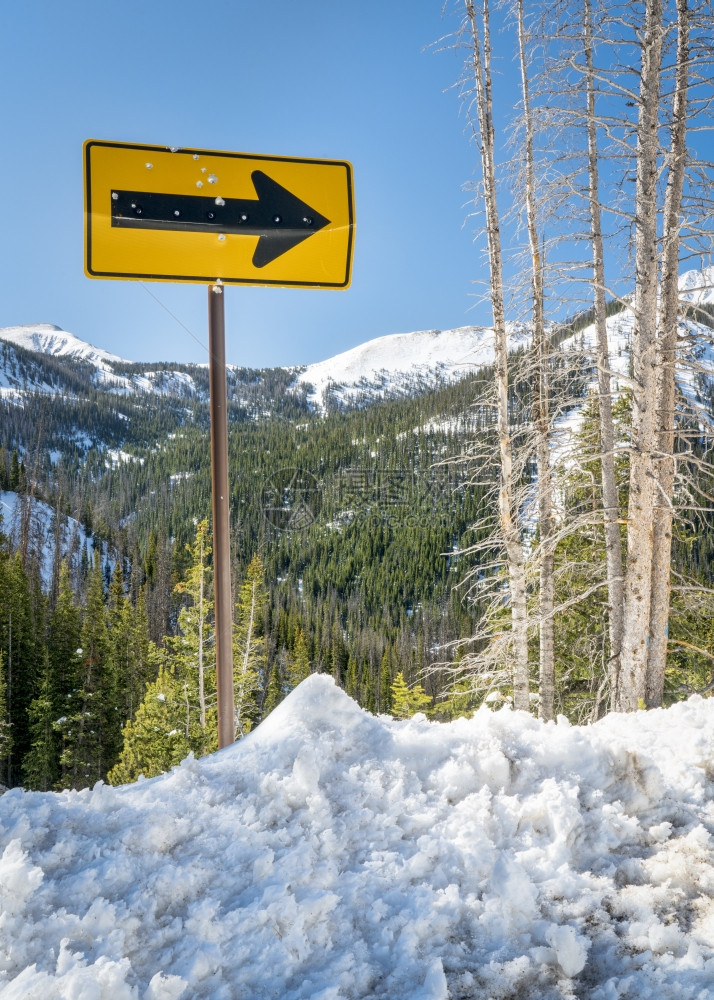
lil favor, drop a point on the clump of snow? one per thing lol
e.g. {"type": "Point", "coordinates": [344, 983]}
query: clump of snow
{"type": "Point", "coordinates": [332, 854]}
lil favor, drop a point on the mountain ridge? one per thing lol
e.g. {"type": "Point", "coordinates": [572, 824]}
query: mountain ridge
{"type": "Point", "coordinates": [383, 366]}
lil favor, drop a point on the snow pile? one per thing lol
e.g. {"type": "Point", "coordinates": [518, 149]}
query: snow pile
{"type": "Point", "coordinates": [332, 855]}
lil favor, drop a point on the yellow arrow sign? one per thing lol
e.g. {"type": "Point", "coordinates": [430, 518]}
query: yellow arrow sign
{"type": "Point", "coordinates": [158, 214]}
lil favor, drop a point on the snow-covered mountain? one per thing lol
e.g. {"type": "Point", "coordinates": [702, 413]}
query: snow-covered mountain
{"type": "Point", "coordinates": [398, 364]}
{"type": "Point", "coordinates": [46, 338]}
{"type": "Point", "coordinates": [697, 287]}
{"type": "Point", "coordinates": [695, 367]}
{"type": "Point", "coordinates": [49, 340]}
{"type": "Point", "coordinates": [394, 365]}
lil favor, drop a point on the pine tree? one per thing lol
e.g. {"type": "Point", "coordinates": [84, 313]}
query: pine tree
{"type": "Point", "coordinates": [22, 649]}
{"type": "Point", "coordinates": [249, 656]}
{"type": "Point", "coordinates": [460, 702]}
{"type": "Point", "coordinates": [352, 686]}
{"type": "Point", "coordinates": [408, 701]}
{"type": "Point", "coordinates": [193, 654]}
{"type": "Point", "coordinates": [92, 725]}
{"type": "Point", "coordinates": [300, 661]}
{"type": "Point", "coordinates": [64, 629]}
{"type": "Point", "coordinates": [40, 768]}
{"type": "Point", "coordinates": [15, 472]}
{"type": "Point", "coordinates": [5, 729]}
{"type": "Point", "coordinates": [162, 733]}
{"type": "Point", "coordinates": [369, 700]}
{"type": "Point", "coordinates": [274, 690]}
{"type": "Point", "coordinates": [384, 704]}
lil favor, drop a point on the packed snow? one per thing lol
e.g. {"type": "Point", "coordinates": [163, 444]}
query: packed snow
{"type": "Point", "coordinates": [334, 855]}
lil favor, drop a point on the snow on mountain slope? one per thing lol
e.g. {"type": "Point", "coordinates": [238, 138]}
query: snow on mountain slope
{"type": "Point", "coordinates": [393, 364]}
{"type": "Point", "coordinates": [697, 358]}
{"type": "Point", "coordinates": [49, 339]}
{"type": "Point", "coordinates": [335, 855]}
{"type": "Point", "coordinates": [21, 514]}
{"type": "Point", "coordinates": [45, 338]}
{"type": "Point", "coordinates": [697, 286]}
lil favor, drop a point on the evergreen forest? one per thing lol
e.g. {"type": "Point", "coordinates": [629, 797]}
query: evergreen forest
{"type": "Point", "coordinates": [359, 538]}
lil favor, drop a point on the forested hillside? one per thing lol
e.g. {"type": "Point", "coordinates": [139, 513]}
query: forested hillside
{"type": "Point", "coordinates": [361, 537]}
{"type": "Point", "coordinates": [363, 584]}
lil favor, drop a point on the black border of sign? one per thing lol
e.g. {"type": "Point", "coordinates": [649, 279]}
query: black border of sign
{"type": "Point", "coordinates": [210, 279]}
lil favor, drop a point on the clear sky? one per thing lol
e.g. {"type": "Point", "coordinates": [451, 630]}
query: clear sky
{"type": "Point", "coordinates": [321, 78]}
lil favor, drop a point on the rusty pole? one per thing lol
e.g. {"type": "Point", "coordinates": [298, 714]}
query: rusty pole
{"type": "Point", "coordinates": [221, 519]}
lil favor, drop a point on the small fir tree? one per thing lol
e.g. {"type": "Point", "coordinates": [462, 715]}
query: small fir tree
{"type": "Point", "coordinates": [162, 733]}
{"type": "Point", "coordinates": [384, 703]}
{"type": "Point", "coordinates": [274, 691]}
{"type": "Point", "coordinates": [300, 660]}
{"type": "Point", "coordinates": [408, 701]}
{"type": "Point", "coordinates": [40, 768]}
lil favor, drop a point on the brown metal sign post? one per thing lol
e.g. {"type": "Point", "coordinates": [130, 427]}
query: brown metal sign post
{"type": "Point", "coordinates": [221, 520]}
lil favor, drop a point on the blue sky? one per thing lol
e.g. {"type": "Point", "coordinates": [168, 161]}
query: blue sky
{"type": "Point", "coordinates": [321, 78]}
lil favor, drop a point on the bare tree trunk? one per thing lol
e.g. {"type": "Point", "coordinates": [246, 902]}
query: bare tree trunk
{"type": "Point", "coordinates": [201, 668]}
{"type": "Point", "coordinates": [611, 512]}
{"type": "Point", "coordinates": [541, 405]}
{"type": "Point", "coordinates": [509, 527]}
{"type": "Point", "coordinates": [640, 514]}
{"type": "Point", "coordinates": [667, 344]}
{"type": "Point", "coordinates": [241, 693]}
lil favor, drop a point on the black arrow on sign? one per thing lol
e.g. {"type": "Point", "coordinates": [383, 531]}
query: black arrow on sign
{"type": "Point", "coordinates": [279, 218]}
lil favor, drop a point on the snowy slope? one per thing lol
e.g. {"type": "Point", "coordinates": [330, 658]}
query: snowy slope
{"type": "Point", "coordinates": [332, 855]}
{"type": "Point", "coordinates": [49, 339]}
{"type": "Point", "coordinates": [697, 286]}
{"type": "Point", "coordinates": [697, 358]}
{"type": "Point", "coordinates": [45, 338]}
{"type": "Point", "coordinates": [402, 363]}
{"type": "Point", "coordinates": [396, 363]}
{"type": "Point", "coordinates": [41, 530]}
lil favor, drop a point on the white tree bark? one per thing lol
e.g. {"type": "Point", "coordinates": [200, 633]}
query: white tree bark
{"type": "Point", "coordinates": [642, 500]}
{"type": "Point", "coordinates": [541, 401]}
{"type": "Point", "coordinates": [666, 361]}
{"type": "Point", "coordinates": [507, 518]}
{"type": "Point", "coordinates": [611, 512]}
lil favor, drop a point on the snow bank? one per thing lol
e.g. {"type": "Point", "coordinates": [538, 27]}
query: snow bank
{"type": "Point", "coordinates": [333, 855]}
